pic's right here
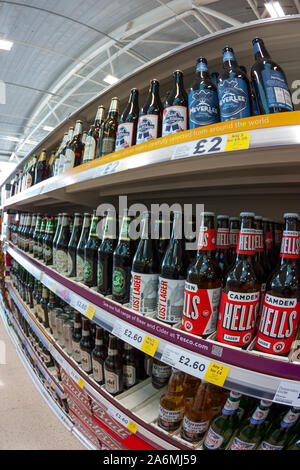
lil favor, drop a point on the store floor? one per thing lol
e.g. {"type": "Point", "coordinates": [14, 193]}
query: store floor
{"type": "Point", "coordinates": [26, 421]}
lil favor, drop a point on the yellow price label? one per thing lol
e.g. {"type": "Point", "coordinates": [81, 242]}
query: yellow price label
{"type": "Point", "coordinates": [216, 374]}
{"type": "Point", "coordinates": [132, 427]}
{"type": "Point", "coordinates": [237, 141]}
{"type": "Point", "coordinates": [90, 312]}
{"type": "Point", "coordinates": [80, 382]}
{"type": "Point", "coordinates": [149, 345]}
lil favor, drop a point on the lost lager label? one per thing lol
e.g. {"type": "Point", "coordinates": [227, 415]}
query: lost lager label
{"type": "Point", "coordinates": [170, 300]}
{"type": "Point", "coordinates": [143, 292]}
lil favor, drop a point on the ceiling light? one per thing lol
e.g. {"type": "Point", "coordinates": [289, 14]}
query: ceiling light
{"type": "Point", "coordinates": [110, 79]}
{"type": "Point", "coordinates": [275, 9]}
{"type": "Point", "coordinates": [48, 128]}
{"type": "Point", "coordinates": [6, 45]}
{"type": "Point", "coordinates": [11, 138]}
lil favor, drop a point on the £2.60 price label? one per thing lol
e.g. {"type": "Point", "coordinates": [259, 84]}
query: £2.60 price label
{"type": "Point", "coordinates": [185, 361]}
{"type": "Point", "coordinates": [129, 334]}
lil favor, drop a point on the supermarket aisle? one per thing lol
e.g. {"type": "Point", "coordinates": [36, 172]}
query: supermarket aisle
{"type": "Point", "coordinates": [26, 422]}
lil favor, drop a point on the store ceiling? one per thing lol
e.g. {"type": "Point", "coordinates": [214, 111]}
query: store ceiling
{"type": "Point", "coordinates": [63, 51]}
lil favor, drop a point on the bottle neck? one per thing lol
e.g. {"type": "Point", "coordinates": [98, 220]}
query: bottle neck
{"type": "Point", "coordinates": [229, 60]}
{"type": "Point", "coordinates": [260, 51]}
{"type": "Point", "coordinates": [202, 70]}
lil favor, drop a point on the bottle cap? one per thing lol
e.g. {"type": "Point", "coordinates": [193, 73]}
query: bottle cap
{"type": "Point", "coordinates": [291, 215]}
{"type": "Point", "coordinates": [254, 40]}
{"type": "Point", "coordinates": [210, 214]}
{"type": "Point", "coordinates": [222, 217]}
{"type": "Point", "coordinates": [247, 214]}
{"type": "Point", "coordinates": [234, 219]}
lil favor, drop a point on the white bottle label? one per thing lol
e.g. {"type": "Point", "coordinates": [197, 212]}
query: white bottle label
{"type": "Point", "coordinates": [266, 446]}
{"type": "Point", "coordinates": [170, 416]}
{"type": "Point", "coordinates": [147, 128]}
{"type": "Point", "coordinates": [97, 371]}
{"type": "Point", "coordinates": [89, 149]}
{"type": "Point", "coordinates": [143, 293]}
{"type": "Point", "coordinates": [124, 136]}
{"type": "Point", "coordinates": [237, 444]}
{"type": "Point", "coordinates": [193, 427]}
{"type": "Point", "coordinates": [213, 440]}
{"type": "Point", "coordinates": [162, 372]}
{"type": "Point", "coordinates": [76, 351]}
{"type": "Point", "coordinates": [61, 261]}
{"type": "Point", "coordinates": [174, 120]}
{"type": "Point", "coordinates": [69, 160]}
{"type": "Point", "coordinates": [170, 300]}
{"type": "Point", "coordinates": [86, 361]}
{"type": "Point", "coordinates": [129, 375]}
{"type": "Point", "coordinates": [112, 382]}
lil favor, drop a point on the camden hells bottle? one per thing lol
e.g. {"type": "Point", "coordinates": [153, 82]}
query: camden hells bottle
{"type": "Point", "coordinates": [203, 284]}
{"type": "Point", "coordinates": [281, 308]}
{"type": "Point", "coordinates": [223, 244]}
{"type": "Point", "coordinates": [240, 298]}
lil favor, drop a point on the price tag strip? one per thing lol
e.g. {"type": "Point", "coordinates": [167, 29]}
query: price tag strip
{"type": "Point", "coordinates": [288, 394]}
{"type": "Point", "coordinates": [136, 337]}
{"type": "Point", "coordinates": [123, 419]}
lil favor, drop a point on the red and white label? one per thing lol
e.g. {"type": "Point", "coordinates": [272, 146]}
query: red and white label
{"type": "Point", "coordinates": [269, 240]}
{"type": "Point", "coordinates": [238, 311]}
{"type": "Point", "coordinates": [246, 242]}
{"type": "Point", "coordinates": [207, 239]}
{"type": "Point", "coordinates": [234, 235]}
{"type": "Point", "coordinates": [200, 309]}
{"type": "Point", "coordinates": [259, 241]}
{"type": "Point", "coordinates": [290, 245]}
{"type": "Point", "coordinates": [170, 300]}
{"type": "Point", "coordinates": [277, 328]}
{"type": "Point", "coordinates": [223, 238]}
{"type": "Point", "coordinates": [174, 120]}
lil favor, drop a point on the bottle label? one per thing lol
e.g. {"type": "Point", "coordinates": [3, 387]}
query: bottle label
{"type": "Point", "coordinates": [170, 416]}
{"type": "Point", "coordinates": [290, 245]}
{"type": "Point", "coordinates": [143, 293]}
{"type": "Point", "coordinates": [246, 242]}
{"type": "Point", "coordinates": [237, 444]}
{"type": "Point", "coordinates": [277, 89]}
{"type": "Point", "coordinates": [223, 239]}
{"type": "Point", "coordinates": [125, 135]}
{"type": "Point", "coordinates": [259, 416]}
{"type": "Point", "coordinates": [97, 370]}
{"type": "Point", "coordinates": [79, 268]}
{"type": "Point", "coordinates": [213, 440]}
{"type": "Point", "coordinates": [112, 382]}
{"type": "Point", "coordinates": [259, 241]}
{"type": "Point", "coordinates": [269, 240]}
{"type": "Point", "coordinates": [147, 128]}
{"type": "Point", "coordinates": [108, 146]}
{"type": "Point", "coordinates": [174, 120]}
{"type": "Point", "coordinates": [170, 300]}
{"type": "Point", "coordinates": [277, 328]}
{"type": "Point", "coordinates": [47, 254]}
{"type": "Point", "coordinates": [119, 282]}
{"type": "Point", "coordinates": [237, 315]}
{"type": "Point", "coordinates": [289, 419]}
{"type": "Point", "coordinates": [88, 270]}
{"type": "Point", "coordinates": [76, 351]}
{"type": "Point", "coordinates": [231, 406]}
{"type": "Point", "coordinates": [203, 108]}
{"type": "Point", "coordinates": [69, 160]}
{"type": "Point", "coordinates": [86, 361]}
{"type": "Point", "coordinates": [70, 265]}
{"type": "Point", "coordinates": [267, 446]}
{"type": "Point", "coordinates": [233, 99]}
{"type": "Point", "coordinates": [193, 427]}
{"type": "Point", "coordinates": [207, 239]}
{"type": "Point", "coordinates": [61, 261]}
{"type": "Point", "coordinates": [129, 375]}
{"type": "Point", "coordinates": [89, 149]}
{"type": "Point", "coordinates": [200, 309]}
{"type": "Point", "coordinates": [100, 277]}
{"type": "Point", "coordinates": [160, 371]}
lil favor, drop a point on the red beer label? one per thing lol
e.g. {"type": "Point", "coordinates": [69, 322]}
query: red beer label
{"type": "Point", "coordinates": [277, 328]}
{"type": "Point", "coordinates": [223, 238]}
{"type": "Point", "coordinates": [290, 245]}
{"type": "Point", "coordinates": [259, 240]}
{"type": "Point", "coordinates": [200, 309]}
{"type": "Point", "coordinates": [238, 311]}
{"type": "Point", "coordinates": [234, 235]}
{"type": "Point", "coordinates": [206, 239]}
{"type": "Point", "coordinates": [269, 240]}
{"type": "Point", "coordinates": [246, 242]}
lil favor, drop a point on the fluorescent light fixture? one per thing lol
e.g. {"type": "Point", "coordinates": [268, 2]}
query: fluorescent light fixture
{"type": "Point", "coordinates": [110, 79]}
{"type": "Point", "coordinates": [11, 138]}
{"type": "Point", "coordinates": [6, 45]}
{"type": "Point", "coordinates": [48, 128]}
{"type": "Point", "coordinates": [275, 9]}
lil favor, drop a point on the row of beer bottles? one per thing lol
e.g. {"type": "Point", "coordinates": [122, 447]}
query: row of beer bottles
{"type": "Point", "coordinates": [219, 419]}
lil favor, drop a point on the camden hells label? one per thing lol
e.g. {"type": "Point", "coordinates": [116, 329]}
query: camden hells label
{"type": "Point", "coordinates": [233, 237]}
{"type": "Point", "coordinates": [277, 328]}
{"type": "Point", "coordinates": [223, 238]}
{"type": "Point", "coordinates": [246, 244]}
{"type": "Point", "coordinates": [290, 245]}
{"type": "Point", "coordinates": [237, 315]}
{"type": "Point", "coordinates": [207, 239]}
{"type": "Point", "coordinates": [259, 241]}
{"type": "Point", "coordinates": [200, 309]}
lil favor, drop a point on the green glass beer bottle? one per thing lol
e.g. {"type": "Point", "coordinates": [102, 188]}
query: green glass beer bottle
{"type": "Point", "coordinates": [91, 255]}
{"type": "Point", "coordinates": [72, 247]}
{"type": "Point", "coordinates": [105, 255]}
{"type": "Point", "coordinates": [278, 434]}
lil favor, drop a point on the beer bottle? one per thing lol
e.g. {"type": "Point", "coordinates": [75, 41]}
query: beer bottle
{"type": "Point", "coordinates": [223, 244]}
{"type": "Point", "coordinates": [62, 156]}
{"type": "Point", "coordinates": [175, 115]}
{"type": "Point", "coordinates": [161, 373]}
{"type": "Point", "coordinates": [130, 366]}
{"type": "Point", "coordinates": [233, 89]}
{"type": "Point", "coordinates": [249, 435]}
{"type": "Point", "coordinates": [241, 294]}
{"type": "Point", "coordinates": [26, 233]}
{"type": "Point", "coordinates": [31, 233]}
{"type": "Point", "coordinates": [74, 151]}
{"type": "Point", "coordinates": [126, 136]}
{"type": "Point", "coordinates": [269, 81]}
{"type": "Point", "coordinates": [48, 242]}
{"type": "Point", "coordinates": [278, 434]}
{"type": "Point", "coordinates": [38, 310]}
{"type": "Point", "coordinates": [61, 149]}
{"type": "Point", "coordinates": [145, 272]}
{"type": "Point", "coordinates": [224, 425]}
{"type": "Point", "coordinates": [76, 338]}
{"type": "Point", "coordinates": [44, 306]}
{"type": "Point", "coordinates": [122, 263]}
{"type": "Point", "coordinates": [281, 307]}
{"type": "Point", "coordinates": [277, 239]}
{"type": "Point", "coordinates": [31, 172]}
{"type": "Point", "coordinates": [86, 348]}
{"type": "Point", "coordinates": [80, 248]}
{"type": "Point", "coordinates": [93, 136]}
{"type": "Point", "coordinates": [109, 128]}
{"type": "Point", "coordinates": [54, 243]}
{"type": "Point", "coordinates": [150, 119]}
{"type": "Point", "coordinates": [20, 228]}
{"type": "Point", "coordinates": [294, 440]}
{"type": "Point", "coordinates": [91, 254]}
{"type": "Point", "coordinates": [172, 405]}
{"type": "Point", "coordinates": [269, 243]}
{"type": "Point", "coordinates": [203, 98]}
{"type": "Point", "coordinates": [72, 247]}
{"type": "Point", "coordinates": [105, 255]}
{"type": "Point", "coordinates": [164, 230]}
{"type": "Point", "coordinates": [51, 163]}
{"type": "Point", "coordinates": [34, 296]}
{"type": "Point", "coordinates": [190, 387]}
{"type": "Point", "coordinates": [203, 284]}
{"type": "Point", "coordinates": [172, 277]}
{"type": "Point", "coordinates": [260, 265]}
{"type": "Point", "coordinates": [61, 257]}
{"type": "Point", "coordinates": [190, 239]}
{"type": "Point", "coordinates": [40, 238]}
{"type": "Point", "coordinates": [99, 355]}
{"type": "Point", "coordinates": [214, 77]}
{"type": "Point", "coordinates": [198, 416]}
{"type": "Point", "coordinates": [113, 368]}
{"type": "Point", "coordinates": [42, 168]}
{"type": "Point", "coordinates": [30, 291]}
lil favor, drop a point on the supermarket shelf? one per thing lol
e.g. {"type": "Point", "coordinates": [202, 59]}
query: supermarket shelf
{"type": "Point", "coordinates": [161, 165]}
{"type": "Point", "coordinates": [251, 374]}
{"type": "Point", "coordinates": [143, 398]}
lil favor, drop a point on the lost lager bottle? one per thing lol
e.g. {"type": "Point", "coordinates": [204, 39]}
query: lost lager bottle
{"type": "Point", "coordinates": [93, 136]}
{"type": "Point", "coordinates": [278, 434]}
{"type": "Point", "coordinates": [172, 404]}
{"type": "Point", "coordinates": [175, 115]}
{"type": "Point", "coordinates": [105, 255]}
{"type": "Point", "coordinates": [80, 248]}
{"type": "Point", "coordinates": [150, 119]}
{"type": "Point", "coordinates": [91, 254]}
{"type": "Point", "coordinates": [113, 368]}
{"type": "Point", "coordinates": [72, 247]}
{"type": "Point", "coordinates": [126, 136]}
{"type": "Point", "coordinates": [62, 246]}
